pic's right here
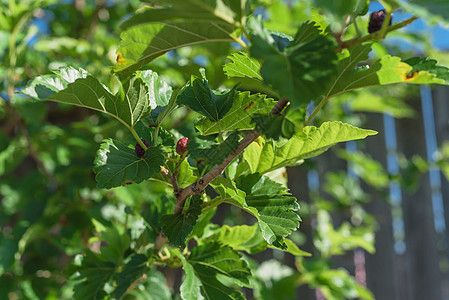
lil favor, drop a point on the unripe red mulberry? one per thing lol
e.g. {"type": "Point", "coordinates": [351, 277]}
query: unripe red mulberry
{"type": "Point", "coordinates": [139, 150]}
{"type": "Point", "coordinates": [376, 20]}
{"type": "Point", "coordinates": [181, 146]}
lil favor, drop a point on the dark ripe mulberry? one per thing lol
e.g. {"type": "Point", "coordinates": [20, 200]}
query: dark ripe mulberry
{"type": "Point", "coordinates": [139, 150]}
{"type": "Point", "coordinates": [181, 146]}
{"type": "Point", "coordinates": [376, 20]}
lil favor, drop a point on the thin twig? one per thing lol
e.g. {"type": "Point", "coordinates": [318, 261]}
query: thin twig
{"type": "Point", "coordinates": [198, 187]}
{"type": "Point", "coordinates": [375, 35]}
{"type": "Point", "coordinates": [173, 179]}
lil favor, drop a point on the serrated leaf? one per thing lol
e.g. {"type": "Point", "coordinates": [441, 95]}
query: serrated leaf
{"type": "Point", "coordinates": [285, 124]}
{"type": "Point", "coordinates": [178, 227]}
{"type": "Point", "coordinates": [116, 245]}
{"type": "Point", "coordinates": [191, 285]}
{"type": "Point", "coordinates": [337, 10]}
{"type": "Point", "coordinates": [159, 93]}
{"type": "Point", "coordinates": [242, 65]}
{"type": "Point", "coordinates": [98, 269]}
{"type": "Point", "coordinates": [386, 70]}
{"type": "Point", "coordinates": [78, 88]}
{"type": "Point", "coordinates": [116, 164]}
{"type": "Point", "coordinates": [91, 277]}
{"type": "Point", "coordinates": [300, 71]}
{"type": "Point", "coordinates": [427, 64]}
{"type": "Point", "coordinates": [131, 271]}
{"type": "Point", "coordinates": [200, 98]}
{"type": "Point", "coordinates": [265, 156]}
{"type": "Point", "coordinates": [247, 238]}
{"type": "Point", "coordinates": [207, 152]}
{"type": "Point", "coordinates": [266, 200]}
{"type": "Point", "coordinates": [239, 116]}
{"type": "Point", "coordinates": [214, 259]}
{"type": "Point", "coordinates": [276, 212]}
{"type": "Point", "coordinates": [152, 32]}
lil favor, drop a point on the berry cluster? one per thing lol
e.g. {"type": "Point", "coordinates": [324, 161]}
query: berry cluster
{"type": "Point", "coordinates": [376, 20]}
{"type": "Point", "coordinates": [139, 150]}
{"type": "Point", "coordinates": [181, 146]}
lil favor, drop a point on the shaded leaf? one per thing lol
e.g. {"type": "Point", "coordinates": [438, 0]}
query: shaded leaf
{"type": "Point", "coordinates": [178, 227]}
{"type": "Point", "coordinates": [200, 98]}
{"type": "Point", "coordinates": [244, 106]}
{"type": "Point", "coordinates": [208, 153]}
{"type": "Point", "coordinates": [285, 125]}
{"type": "Point", "coordinates": [214, 259]}
{"type": "Point", "coordinates": [116, 164]}
{"type": "Point", "coordinates": [132, 270]}
{"type": "Point", "coordinates": [300, 70]}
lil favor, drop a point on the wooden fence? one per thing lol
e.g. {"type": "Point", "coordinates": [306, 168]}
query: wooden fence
{"type": "Point", "coordinates": [412, 254]}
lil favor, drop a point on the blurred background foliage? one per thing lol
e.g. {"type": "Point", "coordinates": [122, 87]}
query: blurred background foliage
{"type": "Point", "coordinates": [51, 211]}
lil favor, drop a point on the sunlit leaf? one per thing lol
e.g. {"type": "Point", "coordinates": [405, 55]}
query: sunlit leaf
{"type": "Point", "coordinates": [265, 156]}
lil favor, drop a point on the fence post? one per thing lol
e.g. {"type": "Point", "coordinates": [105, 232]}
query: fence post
{"type": "Point", "coordinates": [298, 184]}
{"type": "Point", "coordinates": [441, 112]}
{"type": "Point", "coordinates": [381, 271]}
{"type": "Point", "coordinates": [329, 162]}
{"type": "Point", "coordinates": [420, 236]}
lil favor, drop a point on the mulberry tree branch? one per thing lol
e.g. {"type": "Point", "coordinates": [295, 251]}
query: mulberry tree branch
{"type": "Point", "coordinates": [198, 187]}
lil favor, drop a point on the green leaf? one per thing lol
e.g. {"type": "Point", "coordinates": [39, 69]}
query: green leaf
{"type": "Point", "coordinates": [366, 101]}
{"type": "Point", "coordinates": [331, 241]}
{"type": "Point", "coordinates": [370, 170]}
{"type": "Point", "coordinates": [266, 200]}
{"type": "Point", "coordinates": [191, 285]}
{"type": "Point", "coordinates": [337, 10]}
{"type": "Point", "coordinates": [96, 270]}
{"type": "Point", "coordinates": [265, 156]}
{"type": "Point", "coordinates": [152, 32]}
{"type": "Point", "coordinates": [200, 98]}
{"type": "Point", "coordinates": [246, 238]}
{"type": "Point", "coordinates": [78, 88]}
{"type": "Point", "coordinates": [117, 245]}
{"type": "Point", "coordinates": [208, 153]}
{"type": "Point", "coordinates": [214, 259]}
{"type": "Point", "coordinates": [116, 164]}
{"type": "Point", "coordinates": [276, 212]}
{"type": "Point", "coordinates": [239, 116]}
{"type": "Point", "coordinates": [429, 65]}
{"type": "Point", "coordinates": [159, 92]}
{"type": "Point", "coordinates": [284, 125]}
{"type": "Point", "coordinates": [178, 227]}
{"type": "Point", "coordinates": [386, 70]}
{"type": "Point", "coordinates": [130, 273]}
{"type": "Point", "coordinates": [91, 277]}
{"type": "Point", "coordinates": [242, 65]}
{"type": "Point", "coordinates": [300, 70]}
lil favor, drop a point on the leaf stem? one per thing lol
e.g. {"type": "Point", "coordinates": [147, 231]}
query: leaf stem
{"type": "Point", "coordinates": [375, 35]}
{"type": "Point", "coordinates": [156, 134]}
{"type": "Point", "coordinates": [240, 42]}
{"type": "Point", "coordinates": [316, 110]}
{"type": "Point", "coordinates": [138, 139]}
{"type": "Point", "coordinates": [245, 33]}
